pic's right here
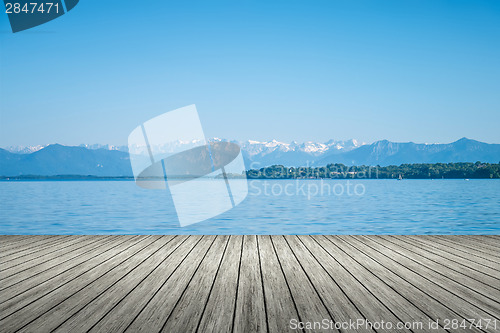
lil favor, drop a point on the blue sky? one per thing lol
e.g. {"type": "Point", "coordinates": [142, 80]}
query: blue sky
{"type": "Point", "coordinates": [423, 71]}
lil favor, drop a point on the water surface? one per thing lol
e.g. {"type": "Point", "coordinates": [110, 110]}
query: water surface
{"type": "Point", "coordinates": [376, 207]}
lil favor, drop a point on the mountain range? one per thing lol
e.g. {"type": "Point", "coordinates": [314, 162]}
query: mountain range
{"type": "Point", "coordinates": [113, 161]}
{"type": "Point", "coordinates": [66, 160]}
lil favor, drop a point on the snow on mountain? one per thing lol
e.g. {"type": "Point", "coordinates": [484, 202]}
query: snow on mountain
{"type": "Point", "coordinates": [165, 149]}
{"type": "Point", "coordinates": [256, 153]}
{"type": "Point", "coordinates": [252, 147]}
{"type": "Point", "coordinates": [106, 147]}
{"type": "Point", "coordinates": [24, 149]}
{"type": "Point", "coordinates": [66, 160]}
{"type": "Point", "coordinates": [263, 147]}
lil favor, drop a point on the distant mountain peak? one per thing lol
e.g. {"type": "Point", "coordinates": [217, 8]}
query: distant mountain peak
{"type": "Point", "coordinates": [113, 160]}
{"type": "Point", "coordinates": [467, 140]}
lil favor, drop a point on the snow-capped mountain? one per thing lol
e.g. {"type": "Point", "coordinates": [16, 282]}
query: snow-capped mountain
{"type": "Point", "coordinates": [106, 147]}
{"type": "Point", "coordinates": [257, 154]}
{"type": "Point", "coordinates": [264, 153]}
{"type": "Point", "coordinates": [24, 149]}
{"type": "Point", "coordinates": [251, 147]}
{"type": "Point", "coordinates": [65, 160]}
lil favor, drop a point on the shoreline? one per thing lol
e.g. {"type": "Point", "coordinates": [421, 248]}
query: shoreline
{"type": "Point", "coordinates": [97, 178]}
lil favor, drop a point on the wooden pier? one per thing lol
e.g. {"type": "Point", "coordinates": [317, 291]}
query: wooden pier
{"type": "Point", "coordinates": [249, 283]}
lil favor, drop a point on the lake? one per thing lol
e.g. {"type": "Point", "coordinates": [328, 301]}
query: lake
{"type": "Point", "coordinates": [272, 207]}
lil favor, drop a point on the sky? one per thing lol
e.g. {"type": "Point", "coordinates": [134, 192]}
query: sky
{"type": "Point", "coordinates": [309, 70]}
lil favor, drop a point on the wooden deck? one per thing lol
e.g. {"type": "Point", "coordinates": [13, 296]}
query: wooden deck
{"type": "Point", "coordinates": [249, 283]}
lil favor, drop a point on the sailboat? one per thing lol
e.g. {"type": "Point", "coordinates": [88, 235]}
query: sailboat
{"type": "Point", "coordinates": [400, 177]}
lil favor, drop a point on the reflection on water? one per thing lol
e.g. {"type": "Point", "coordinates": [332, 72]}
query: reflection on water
{"type": "Point", "coordinates": [287, 207]}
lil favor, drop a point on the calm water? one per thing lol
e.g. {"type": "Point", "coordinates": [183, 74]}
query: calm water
{"type": "Point", "coordinates": [357, 207]}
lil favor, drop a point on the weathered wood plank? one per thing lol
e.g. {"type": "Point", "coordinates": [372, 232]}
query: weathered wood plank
{"type": "Point", "coordinates": [28, 273]}
{"type": "Point", "coordinates": [154, 315]}
{"type": "Point", "coordinates": [339, 306]}
{"type": "Point", "coordinates": [22, 294]}
{"type": "Point", "coordinates": [495, 243]}
{"type": "Point", "coordinates": [38, 308]}
{"type": "Point", "coordinates": [8, 240]}
{"type": "Point", "coordinates": [29, 246]}
{"type": "Point", "coordinates": [309, 305]}
{"type": "Point", "coordinates": [250, 312]}
{"type": "Point", "coordinates": [404, 285]}
{"type": "Point", "coordinates": [437, 288]}
{"type": "Point", "coordinates": [73, 303]}
{"type": "Point", "coordinates": [368, 291]}
{"type": "Point", "coordinates": [129, 307]}
{"type": "Point", "coordinates": [479, 273]}
{"type": "Point", "coordinates": [474, 292]}
{"type": "Point", "coordinates": [186, 314]}
{"type": "Point", "coordinates": [280, 307]}
{"type": "Point", "coordinates": [244, 283]}
{"type": "Point", "coordinates": [219, 310]}
{"type": "Point", "coordinates": [480, 244]}
{"type": "Point", "coordinates": [463, 257]}
{"type": "Point", "coordinates": [39, 256]}
{"type": "Point", "coordinates": [464, 247]}
{"type": "Point", "coordinates": [88, 316]}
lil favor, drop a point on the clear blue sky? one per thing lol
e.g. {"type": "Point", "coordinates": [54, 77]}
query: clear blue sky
{"type": "Point", "coordinates": [423, 71]}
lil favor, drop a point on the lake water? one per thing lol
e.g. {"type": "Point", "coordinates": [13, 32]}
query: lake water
{"type": "Point", "coordinates": [272, 207]}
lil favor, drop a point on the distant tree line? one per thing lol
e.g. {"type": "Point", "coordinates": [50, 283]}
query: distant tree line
{"type": "Point", "coordinates": [476, 170]}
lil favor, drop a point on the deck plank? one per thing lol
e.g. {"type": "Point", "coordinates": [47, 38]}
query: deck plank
{"type": "Point", "coordinates": [250, 312]}
{"type": "Point", "coordinates": [473, 291]}
{"type": "Point", "coordinates": [245, 283]}
{"type": "Point", "coordinates": [475, 243]}
{"type": "Point", "coordinates": [186, 314]}
{"type": "Point", "coordinates": [17, 250]}
{"type": "Point", "coordinates": [124, 312]}
{"type": "Point", "coordinates": [39, 308]}
{"type": "Point", "coordinates": [8, 240]}
{"type": "Point", "coordinates": [403, 284]}
{"type": "Point", "coordinates": [19, 276]}
{"type": "Point", "coordinates": [280, 307]}
{"type": "Point", "coordinates": [36, 246]}
{"type": "Point", "coordinates": [222, 298]}
{"type": "Point", "coordinates": [486, 275]}
{"type": "Point", "coordinates": [370, 292]}
{"type": "Point", "coordinates": [432, 285]}
{"type": "Point", "coordinates": [85, 319]}
{"type": "Point", "coordinates": [339, 306]}
{"type": "Point", "coordinates": [461, 245]}
{"type": "Point", "coordinates": [39, 256]}
{"type": "Point", "coordinates": [465, 257]}
{"type": "Point", "coordinates": [495, 243]}
{"type": "Point", "coordinates": [20, 295]}
{"type": "Point", "coordinates": [310, 306]}
{"type": "Point", "coordinates": [66, 308]}
{"type": "Point", "coordinates": [154, 315]}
